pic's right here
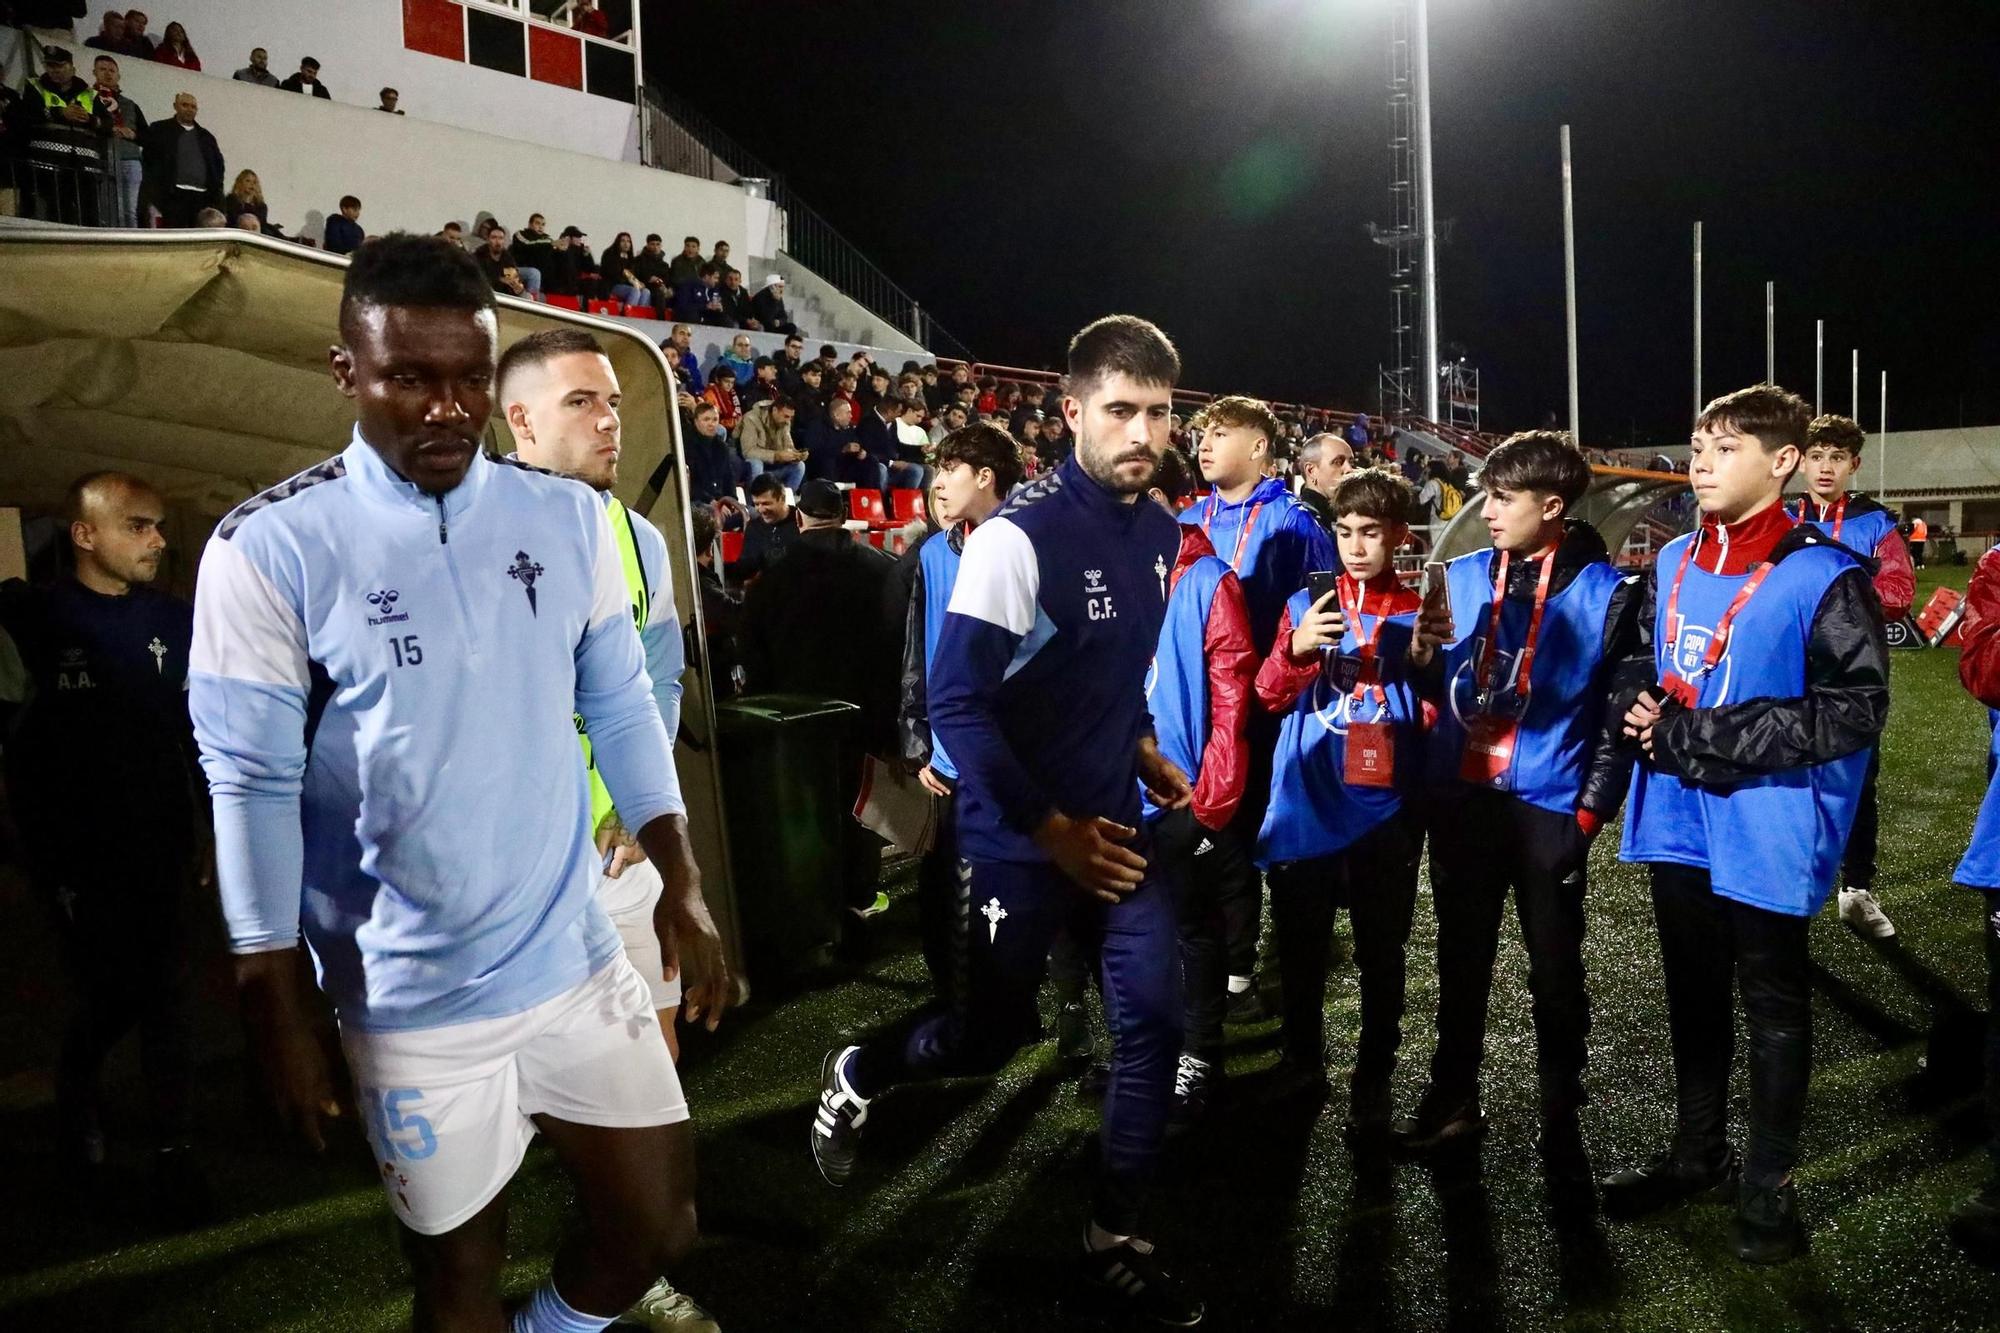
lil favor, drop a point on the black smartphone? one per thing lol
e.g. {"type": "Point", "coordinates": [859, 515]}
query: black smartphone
{"type": "Point", "coordinates": [1320, 582]}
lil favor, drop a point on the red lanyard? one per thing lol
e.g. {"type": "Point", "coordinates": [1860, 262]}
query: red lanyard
{"type": "Point", "coordinates": [1521, 677]}
{"type": "Point", "coordinates": [1718, 641]}
{"type": "Point", "coordinates": [1355, 612]}
{"type": "Point", "coordinates": [1242, 533]}
{"type": "Point", "coordinates": [1839, 512]}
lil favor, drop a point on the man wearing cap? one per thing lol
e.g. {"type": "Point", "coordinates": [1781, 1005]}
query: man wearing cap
{"type": "Point", "coordinates": [65, 129]}
{"type": "Point", "coordinates": [571, 271]}
{"type": "Point", "coordinates": [812, 624]}
{"type": "Point", "coordinates": [768, 305]}
{"type": "Point", "coordinates": [306, 80]}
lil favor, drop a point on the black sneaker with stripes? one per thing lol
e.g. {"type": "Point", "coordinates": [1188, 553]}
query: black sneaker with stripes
{"type": "Point", "coordinates": [1126, 1281]}
{"type": "Point", "coordinates": [836, 1128]}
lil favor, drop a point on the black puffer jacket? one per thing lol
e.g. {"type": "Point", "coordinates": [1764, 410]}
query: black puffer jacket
{"type": "Point", "coordinates": [1843, 711]}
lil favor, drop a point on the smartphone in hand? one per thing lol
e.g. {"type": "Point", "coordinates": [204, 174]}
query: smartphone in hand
{"type": "Point", "coordinates": [1320, 582]}
{"type": "Point", "coordinates": [1437, 586]}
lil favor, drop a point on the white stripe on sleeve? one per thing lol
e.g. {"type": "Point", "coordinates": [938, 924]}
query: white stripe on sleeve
{"type": "Point", "coordinates": [999, 577]}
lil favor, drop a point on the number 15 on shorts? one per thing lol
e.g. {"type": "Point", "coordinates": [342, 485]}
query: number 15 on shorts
{"type": "Point", "coordinates": [396, 1126]}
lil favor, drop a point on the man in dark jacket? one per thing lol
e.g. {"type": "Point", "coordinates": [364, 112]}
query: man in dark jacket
{"type": "Point", "coordinates": [812, 625]}
{"type": "Point", "coordinates": [66, 128]}
{"type": "Point", "coordinates": [768, 305]}
{"type": "Point", "coordinates": [183, 165]}
{"type": "Point", "coordinates": [571, 270]}
{"type": "Point", "coordinates": [736, 302]}
{"type": "Point", "coordinates": [306, 80]}
{"type": "Point", "coordinates": [877, 433]}
{"type": "Point", "coordinates": [697, 302]}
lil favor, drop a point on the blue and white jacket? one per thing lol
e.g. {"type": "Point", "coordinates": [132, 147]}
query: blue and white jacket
{"type": "Point", "coordinates": [1038, 683]}
{"type": "Point", "coordinates": [384, 688]}
{"type": "Point", "coordinates": [1272, 541]}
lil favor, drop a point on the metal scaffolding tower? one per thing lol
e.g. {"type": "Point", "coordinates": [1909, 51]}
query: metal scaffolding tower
{"type": "Point", "coordinates": [1400, 389]}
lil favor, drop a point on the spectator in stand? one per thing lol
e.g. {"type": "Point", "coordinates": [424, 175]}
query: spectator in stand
{"type": "Point", "coordinates": [343, 230]}
{"type": "Point", "coordinates": [388, 99]}
{"type": "Point", "coordinates": [183, 165]}
{"type": "Point", "coordinates": [879, 438]}
{"type": "Point", "coordinates": [532, 245]}
{"type": "Point", "coordinates": [175, 49]}
{"type": "Point", "coordinates": [946, 422]}
{"type": "Point", "coordinates": [137, 43]}
{"type": "Point", "coordinates": [912, 444]}
{"type": "Point", "coordinates": [248, 222]}
{"type": "Point", "coordinates": [967, 397]}
{"type": "Point", "coordinates": [66, 131]}
{"type": "Point", "coordinates": [1031, 432]}
{"type": "Point", "coordinates": [306, 80]}
{"type": "Point", "coordinates": [988, 401]}
{"type": "Point", "coordinates": [1323, 461]}
{"type": "Point", "coordinates": [961, 377]}
{"type": "Point", "coordinates": [571, 270]}
{"type": "Point", "coordinates": [682, 338]}
{"type": "Point", "coordinates": [741, 358]}
{"type": "Point", "coordinates": [933, 389]}
{"type": "Point", "coordinates": [773, 528]}
{"type": "Point", "coordinates": [587, 18]}
{"type": "Point", "coordinates": [877, 389]}
{"type": "Point", "coordinates": [652, 269]}
{"type": "Point", "coordinates": [246, 196]}
{"type": "Point", "coordinates": [128, 131]}
{"type": "Point", "coordinates": [721, 612]}
{"type": "Point", "coordinates": [620, 268]}
{"type": "Point", "coordinates": [686, 265]}
{"type": "Point", "coordinates": [809, 387]}
{"type": "Point", "coordinates": [1430, 496]}
{"type": "Point", "coordinates": [492, 258]}
{"type": "Point", "coordinates": [736, 302]}
{"type": "Point", "coordinates": [845, 391]}
{"type": "Point", "coordinates": [763, 385]}
{"type": "Point", "coordinates": [766, 443]}
{"type": "Point", "coordinates": [722, 392]}
{"type": "Point", "coordinates": [210, 217]}
{"type": "Point", "coordinates": [832, 448]}
{"type": "Point", "coordinates": [110, 35]}
{"type": "Point", "coordinates": [788, 362]}
{"type": "Point", "coordinates": [674, 363]}
{"type": "Point", "coordinates": [700, 302]}
{"type": "Point", "coordinates": [711, 462]}
{"type": "Point", "coordinates": [721, 257]}
{"type": "Point", "coordinates": [768, 305]}
{"type": "Point", "coordinates": [258, 71]}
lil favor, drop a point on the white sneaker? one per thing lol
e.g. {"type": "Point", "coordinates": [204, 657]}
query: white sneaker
{"type": "Point", "coordinates": [664, 1310]}
{"type": "Point", "coordinates": [1864, 915]}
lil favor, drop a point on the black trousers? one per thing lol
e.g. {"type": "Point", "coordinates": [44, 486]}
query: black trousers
{"type": "Point", "coordinates": [1239, 886]}
{"type": "Point", "coordinates": [1376, 879]}
{"type": "Point", "coordinates": [1706, 943]}
{"type": "Point", "coordinates": [124, 946]}
{"type": "Point", "coordinates": [941, 918]}
{"type": "Point", "coordinates": [1482, 845]}
{"type": "Point", "coordinates": [1857, 865]}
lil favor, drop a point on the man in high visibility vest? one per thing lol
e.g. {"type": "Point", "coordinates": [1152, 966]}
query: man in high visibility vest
{"type": "Point", "coordinates": [65, 139]}
{"type": "Point", "coordinates": [561, 400]}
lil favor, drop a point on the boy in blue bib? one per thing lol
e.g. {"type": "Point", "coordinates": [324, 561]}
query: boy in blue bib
{"type": "Point", "coordinates": [1341, 828]}
{"type": "Point", "coordinates": [1753, 746]}
{"type": "Point", "coordinates": [1525, 770]}
{"type": "Point", "coordinates": [1976, 1223]}
{"type": "Point", "coordinates": [1856, 521]}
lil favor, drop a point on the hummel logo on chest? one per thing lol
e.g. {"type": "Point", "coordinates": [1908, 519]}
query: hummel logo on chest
{"type": "Point", "coordinates": [526, 571]}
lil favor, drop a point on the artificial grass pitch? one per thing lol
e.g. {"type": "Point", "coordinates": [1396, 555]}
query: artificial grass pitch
{"type": "Point", "coordinates": [972, 1194]}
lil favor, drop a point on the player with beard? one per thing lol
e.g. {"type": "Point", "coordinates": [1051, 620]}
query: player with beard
{"type": "Point", "coordinates": [1037, 690]}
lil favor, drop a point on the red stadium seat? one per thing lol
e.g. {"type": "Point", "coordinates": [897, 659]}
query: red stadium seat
{"type": "Point", "coordinates": [565, 302]}
{"type": "Point", "coordinates": [732, 546]}
{"type": "Point", "coordinates": [907, 505]}
{"type": "Point", "coordinates": [641, 312]}
{"type": "Point", "coordinates": [866, 504]}
{"type": "Point", "coordinates": [607, 307]}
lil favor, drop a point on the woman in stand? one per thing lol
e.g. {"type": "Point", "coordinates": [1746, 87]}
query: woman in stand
{"type": "Point", "coordinates": [175, 49]}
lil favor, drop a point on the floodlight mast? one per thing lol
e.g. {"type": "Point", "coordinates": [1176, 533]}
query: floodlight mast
{"type": "Point", "coordinates": [1420, 42]}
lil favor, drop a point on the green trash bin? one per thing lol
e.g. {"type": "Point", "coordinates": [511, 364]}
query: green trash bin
{"type": "Point", "coordinates": [789, 771]}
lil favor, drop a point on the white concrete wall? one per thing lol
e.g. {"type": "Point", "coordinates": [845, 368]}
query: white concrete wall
{"type": "Point", "coordinates": [415, 175]}
{"type": "Point", "coordinates": [359, 44]}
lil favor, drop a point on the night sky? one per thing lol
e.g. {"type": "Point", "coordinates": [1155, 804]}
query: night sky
{"type": "Point", "coordinates": [1024, 167]}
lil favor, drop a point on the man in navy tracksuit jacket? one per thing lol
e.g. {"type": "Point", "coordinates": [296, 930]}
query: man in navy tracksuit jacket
{"type": "Point", "coordinates": [1037, 691]}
